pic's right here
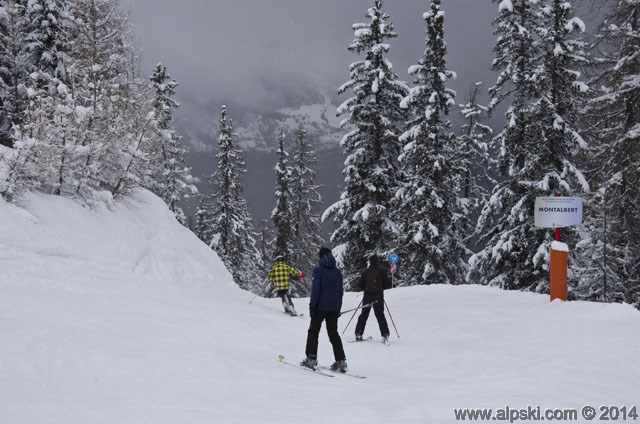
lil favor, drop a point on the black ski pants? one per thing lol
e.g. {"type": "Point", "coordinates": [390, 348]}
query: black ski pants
{"type": "Point", "coordinates": [286, 299]}
{"type": "Point", "coordinates": [378, 310]}
{"type": "Point", "coordinates": [331, 322]}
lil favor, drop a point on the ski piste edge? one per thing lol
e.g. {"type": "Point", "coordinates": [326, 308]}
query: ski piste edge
{"type": "Point", "coordinates": [346, 374]}
{"type": "Point", "coordinates": [318, 371]}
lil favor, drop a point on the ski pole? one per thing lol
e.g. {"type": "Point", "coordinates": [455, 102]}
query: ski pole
{"type": "Point", "coordinates": [359, 307]}
{"type": "Point", "coordinates": [354, 314]}
{"type": "Point", "coordinates": [253, 298]}
{"type": "Point", "coordinates": [394, 324]}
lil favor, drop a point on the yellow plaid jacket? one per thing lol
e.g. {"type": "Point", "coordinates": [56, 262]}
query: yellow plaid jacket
{"type": "Point", "coordinates": [280, 274]}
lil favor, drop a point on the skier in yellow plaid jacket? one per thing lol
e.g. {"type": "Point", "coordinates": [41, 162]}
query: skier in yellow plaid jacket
{"type": "Point", "coordinates": [280, 274]}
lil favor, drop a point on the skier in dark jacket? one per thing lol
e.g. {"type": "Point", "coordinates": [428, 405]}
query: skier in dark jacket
{"type": "Point", "coordinates": [373, 281]}
{"type": "Point", "coordinates": [325, 305]}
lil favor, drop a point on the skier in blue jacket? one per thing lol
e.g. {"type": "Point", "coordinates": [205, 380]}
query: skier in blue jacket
{"type": "Point", "coordinates": [325, 305]}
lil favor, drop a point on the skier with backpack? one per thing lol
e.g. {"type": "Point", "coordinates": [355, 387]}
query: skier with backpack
{"type": "Point", "coordinates": [373, 281]}
{"type": "Point", "coordinates": [280, 274]}
{"type": "Point", "coordinates": [324, 305]}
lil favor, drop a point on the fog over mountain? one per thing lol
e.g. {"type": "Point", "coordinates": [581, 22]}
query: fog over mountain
{"type": "Point", "coordinates": [273, 63]}
{"type": "Point", "coordinates": [246, 49]}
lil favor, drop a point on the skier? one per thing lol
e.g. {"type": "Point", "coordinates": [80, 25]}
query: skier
{"type": "Point", "coordinates": [373, 281]}
{"type": "Point", "coordinates": [279, 275]}
{"type": "Point", "coordinates": [324, 305]}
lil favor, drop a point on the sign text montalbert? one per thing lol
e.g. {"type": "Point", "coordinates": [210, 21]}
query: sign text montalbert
{"type": "Point", "coordinates": [557, 212]}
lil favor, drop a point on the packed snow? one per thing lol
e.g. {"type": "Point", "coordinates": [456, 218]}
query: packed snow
{"type": "Point", "coordinates": [117, 314]}
{"type": "Point", "coordinates": [559, 246]}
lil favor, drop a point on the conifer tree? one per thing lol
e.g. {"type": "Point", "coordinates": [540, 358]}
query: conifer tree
{"type": "Point", "coordinates": [374, 116]}
{"type": "Point", "coordinates": [264, 244]}
{"type": "Point", "coordinates": [48, 41]}
{"type": "Point", "coordinates": [14, 66]}
{"type": "Point", "coordinates": [536, 54]}
{"type": "Point", "coordinates": [172, 181]}
{"type": "Point", "coordinates": [72, 101]}
{"type": "Point", "coordinates": [305, 202]}
{"type": "Point", "coordinates": [475, 153]}
{"type": "Point", "coordinates": [232, 235]}
{"type": "Point", "coordinates": [204, 219]}
{"type": "Point", "coordinates": [81, 129]}
{"type": "Point", "coordinates": [611, 249]}
{"type": "Point", "coordinates": [27, 164]}
{"type": "Point", "coordinates": [41, 131]}
{"type": "Point", "coordinates": [282, 213]}
{"type": "Point", "coordinates": [109, 123]}
{"type": "Point", "coordinates": [432, 239]}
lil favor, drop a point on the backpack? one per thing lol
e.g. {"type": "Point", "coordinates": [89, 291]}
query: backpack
{"type": "Point", "coordinates": [373, 280]}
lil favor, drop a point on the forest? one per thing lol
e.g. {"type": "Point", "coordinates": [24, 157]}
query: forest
{"type": "Point", "coordinates": [79, 119]}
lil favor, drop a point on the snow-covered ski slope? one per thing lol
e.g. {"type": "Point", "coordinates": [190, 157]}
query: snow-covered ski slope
{"type": "Point", "coordinates": [120, 315]}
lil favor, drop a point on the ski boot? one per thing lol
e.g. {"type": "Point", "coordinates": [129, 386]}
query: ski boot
{"type": "Point", "coordinates": [340, 365]}
{"type": "Point", "coordinates": [310, 362]}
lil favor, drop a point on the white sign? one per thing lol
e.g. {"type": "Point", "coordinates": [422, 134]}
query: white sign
{"type": "Point", "coordinates": [557, 212]}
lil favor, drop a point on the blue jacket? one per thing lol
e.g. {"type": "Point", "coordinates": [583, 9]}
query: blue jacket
{"type": "Point", "coordinates": [326, 289]}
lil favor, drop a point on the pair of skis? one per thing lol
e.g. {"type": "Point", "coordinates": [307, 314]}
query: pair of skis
{"type": "Point", "coordinates": [366, 339]}
{"type": "Point", "coordinates": [322, 370]}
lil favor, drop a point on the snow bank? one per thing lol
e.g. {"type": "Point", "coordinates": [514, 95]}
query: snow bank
{"type": "Point", "coordinates": [120, 315]}
{"type": "Point", "coordinates": [137, 241]}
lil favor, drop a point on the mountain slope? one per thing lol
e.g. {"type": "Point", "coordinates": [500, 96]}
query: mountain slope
{"type": "Point", "coordinates": [119, 314]}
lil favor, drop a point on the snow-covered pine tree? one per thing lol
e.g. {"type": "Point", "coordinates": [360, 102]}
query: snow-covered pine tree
{"type": "Point", "coordinates": [232, 228]}
{"type": "Point", "coordinates": [84, 104]}
{"type": "Point", "coordinates": [559, 109]}
{"type": "Point", "coordinates": [23, 168]}
{"type": "Point", "coordinates": [432, 226]}
{"type": "Point", "coordinates": [49, 108]}
{"type": "Point", "coordinates": [536, 54]}
{"type": "Point", "coordinates": [282, 214]}
{"type": "Point", "coordinates": [204, 219]}
{"type": "Point", "coordinates": [305, 203]}
{"type": "Point", "coordinates": [475, 154]}
{"type": "Point", "coordinates": [35, 155]}
{"type": "Point", "coordinates": [130, 162]}
{"type": "Point", "coordinates": [171, 180]}
{"type": "Point", "coordinates": [374, 117]}
{"type": "Point", "coordinates": [264, 241]}
{"type": "Point", "coordinates": [41, 133]}
{"type": "Point", "coordinates": [14, 66]}
{"type": "Point", "coordinates": [47, 40]}
{"type": "Point", "coordinates": [108, 121]}
{"type": "Point", "coordinates": [612, 249]}
{"type": "Point", "coordinates": [505, 223]}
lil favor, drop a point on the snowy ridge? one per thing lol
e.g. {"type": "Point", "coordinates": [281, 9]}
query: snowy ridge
{"type": "Point", "coordinates": [120, 315]}
{"type": "Point", "coordinates": [320, 120]}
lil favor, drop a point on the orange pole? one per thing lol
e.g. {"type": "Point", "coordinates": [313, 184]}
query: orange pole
{"type": "Point", "coordinates": [558, 274]}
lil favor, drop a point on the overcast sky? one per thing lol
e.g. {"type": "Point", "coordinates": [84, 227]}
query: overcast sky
{"type": "Point", "coordinates": [218, 48]}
